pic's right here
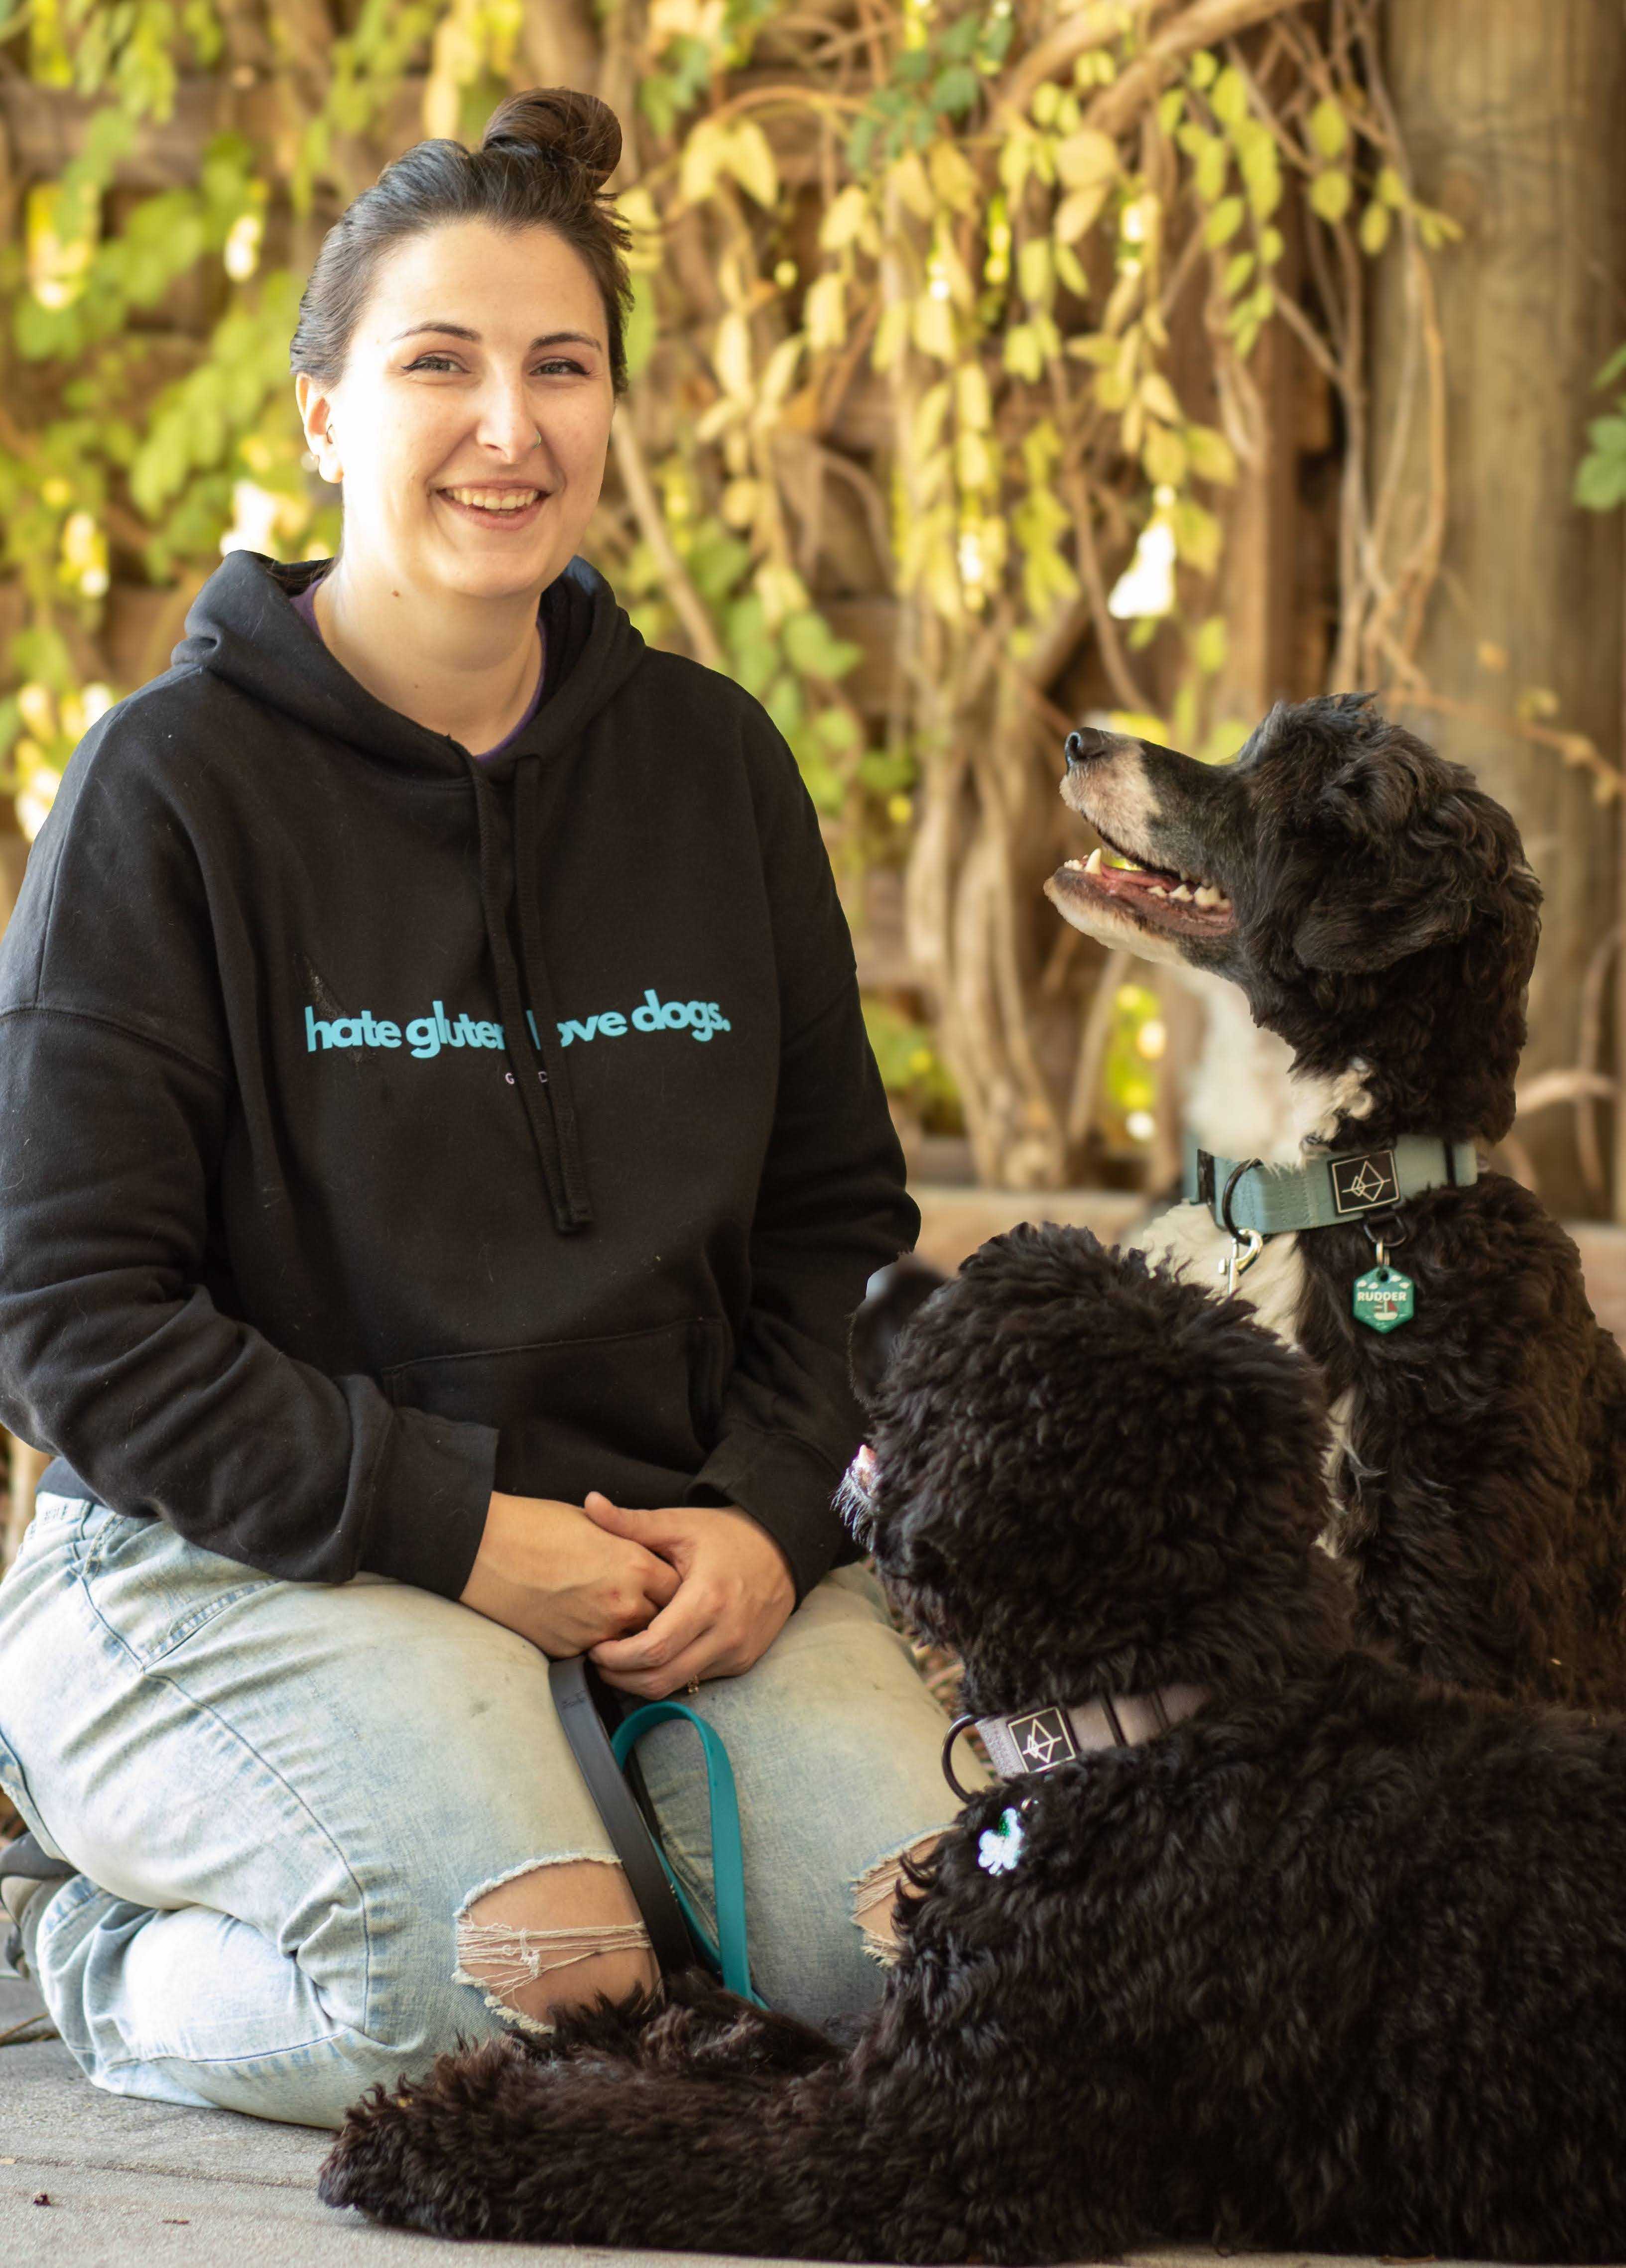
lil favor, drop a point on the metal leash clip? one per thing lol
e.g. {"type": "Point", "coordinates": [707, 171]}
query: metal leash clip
{"type": "Point", "coordinates": [1246, 1244]}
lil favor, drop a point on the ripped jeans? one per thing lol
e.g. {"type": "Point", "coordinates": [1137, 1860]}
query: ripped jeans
{"type": "Point", "coordinates": [284, 1797]}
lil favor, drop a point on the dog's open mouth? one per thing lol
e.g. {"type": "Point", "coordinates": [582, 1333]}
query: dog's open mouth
{"type": "Point", "coordinates": [1154, 896]}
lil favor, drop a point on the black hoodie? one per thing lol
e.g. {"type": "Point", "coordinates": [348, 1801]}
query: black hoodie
{"type": "Point", "coordinates": [380, 1126]}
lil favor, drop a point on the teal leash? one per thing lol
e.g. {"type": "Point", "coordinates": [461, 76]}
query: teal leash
{"type": "Point", "coordinates": [728, 1953]}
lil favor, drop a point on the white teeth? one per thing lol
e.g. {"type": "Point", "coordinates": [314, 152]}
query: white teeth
{"type": "Point", "coordinates": [1157, 891]}
{"type": "Point", "coordinates": [1183, 894]}
{"type": "Point", "coordinates": [1208, 895]}
{"type": "Point", "coordinates": [1072, 866]}
{"type": "Point", "coordinates": [1093, 864]}
{"type": "Point", "coordinates": [496, 499]}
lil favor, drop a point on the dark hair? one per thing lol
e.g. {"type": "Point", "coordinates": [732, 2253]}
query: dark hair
{"type": "Point", "coordinates": [540, 164]}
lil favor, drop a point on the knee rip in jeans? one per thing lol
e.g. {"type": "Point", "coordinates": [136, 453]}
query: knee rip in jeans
{"type": "Point", "coordinates": [539, 1938]}
{"type": "Point", "coordinates": [875, 1896]}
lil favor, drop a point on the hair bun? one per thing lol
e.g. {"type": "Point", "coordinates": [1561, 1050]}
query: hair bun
{"type": "Point", "coordinates": [560, 124]}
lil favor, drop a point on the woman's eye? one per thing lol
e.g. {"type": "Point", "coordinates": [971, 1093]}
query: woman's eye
{"type": "Point", "coordinates": [446, 362]}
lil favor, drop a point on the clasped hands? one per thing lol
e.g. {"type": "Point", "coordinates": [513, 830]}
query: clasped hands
{"type": "Point", "coordinates": [655, 1600]}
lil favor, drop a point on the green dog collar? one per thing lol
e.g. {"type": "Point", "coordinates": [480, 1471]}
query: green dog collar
{"type": "Point", "coordinates": [1244, 1195]}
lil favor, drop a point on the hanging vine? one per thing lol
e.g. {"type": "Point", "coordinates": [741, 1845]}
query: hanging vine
{"type": "Point", "coordinates": [944, 350]}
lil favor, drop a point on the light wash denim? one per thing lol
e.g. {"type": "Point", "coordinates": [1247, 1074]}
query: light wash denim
{"type": "Point", "coordinates": [280, 1796]}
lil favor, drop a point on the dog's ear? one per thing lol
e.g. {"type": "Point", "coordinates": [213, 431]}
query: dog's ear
{"type": "Point", "coordinates": [1406, 869]}
{"type": "Point", "coordinates": [891, 1296]}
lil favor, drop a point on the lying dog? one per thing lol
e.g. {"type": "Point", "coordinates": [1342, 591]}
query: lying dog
{"type": "Point", "coordinates": [1336, 1961]}
{"type": "Point", "coordinates": [1376, 911]}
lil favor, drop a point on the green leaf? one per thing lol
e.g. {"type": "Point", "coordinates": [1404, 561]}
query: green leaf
{"type": "Point", "coordinates": [1612, 369]}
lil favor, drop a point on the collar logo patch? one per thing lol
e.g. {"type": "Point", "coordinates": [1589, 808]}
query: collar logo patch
{"type": "Point", "coordinates": [1363, 1183]}
{"type": "Point", "coordinates": [1044, 1739]}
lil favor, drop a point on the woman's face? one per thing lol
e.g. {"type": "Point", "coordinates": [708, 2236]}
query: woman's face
{"type": "Point", "coordinates": [424, 407]}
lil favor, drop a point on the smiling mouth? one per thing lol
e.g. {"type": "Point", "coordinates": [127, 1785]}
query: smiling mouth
{"type": "Point", "coordinates": [1155, 897]}
{"type": "Point", "coordinates": [497, 516]}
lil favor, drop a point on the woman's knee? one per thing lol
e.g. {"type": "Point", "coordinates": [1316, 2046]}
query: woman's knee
{"type": "Point", "coordinates": [555, 1936]}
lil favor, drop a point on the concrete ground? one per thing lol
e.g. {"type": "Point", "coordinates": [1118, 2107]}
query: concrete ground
{"type": "Point", "coordinates": [89, 2180]}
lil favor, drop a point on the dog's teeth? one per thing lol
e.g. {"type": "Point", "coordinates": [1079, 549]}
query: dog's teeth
{"type": "Point", "coordinates": [1093, 864]}
{"type": "Point", "coordinates": [1157, 891]}
{"type": "Point", "coordinates": [1182, 893]}
{"type": "Point", "coordinates": [1208, 895]}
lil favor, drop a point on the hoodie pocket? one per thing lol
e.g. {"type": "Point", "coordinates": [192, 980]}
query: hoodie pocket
{"type": "Point", "coordinates": [633, 1412]}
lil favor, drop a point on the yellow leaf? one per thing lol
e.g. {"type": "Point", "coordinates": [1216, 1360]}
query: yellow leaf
{"type": "Point", "coordinates": [1223, 222]}
{"type": "Point", "coordinates": [907, 178]}
{"type": "Point", "coordinates": [701, 162]}
{"type": "Point", "coordinates": [1164, 457]}
{"type": "Point", "coordinates": [1078, 212]}
{"type": "Point", "coordinates": [1390, 189]}
{"type": "Point", "coordinates": [750, 161]}
{"type": "Point", "coordinates": [739, 502]}
{"type": "Point", "coordinates": [926, 427]}
{"type": "Point", "coordinates": [780, 370]}
{"type": "Point", "coordinates": [973, 400]}
{"type": "Point", "coordinates": [1329, 129]}
{"type": "Point", "coordinates": [1374, 230]}
{"type": "Point", "coordinates": [731, 355]}
{"type": "Point", "coordinates": [1034, 271]}
{"type": "Point", "coordinates": [824, 311]}
{"type": "Point", "coordinates": [932, 326]}
{"type": "Point", "coordinates": [1159, 397]}
{"type": "Point", "coordinates": [1085, 159]}
{"type": "Point", "coordinates": [953, 179]}
{"type": "Point", "coordinates": [891, 334]}
{"type": "Point", "coordinates": [1330, 194]}
{"type": "Point", "coordinates": [1212, 456]}
{"type": "Point", "coordinates": [845, 218]}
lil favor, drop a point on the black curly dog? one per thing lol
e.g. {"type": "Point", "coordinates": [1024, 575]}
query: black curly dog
{"type": "Point", "coordinates": [1338, 1963]}
{"type": "Point", "coordinates": [1375, 910]}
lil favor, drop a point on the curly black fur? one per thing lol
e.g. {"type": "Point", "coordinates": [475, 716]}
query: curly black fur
{"type": "Point", "coordinates": [1339, 1964]}
{"type": "Point", "coordinates": [1386, 925]}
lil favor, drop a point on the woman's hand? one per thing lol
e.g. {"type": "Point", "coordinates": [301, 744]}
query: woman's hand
{"type": "Point", "coordinates": [735, 1594]}
{"type": "Point", "coordinates": [561, 1579]}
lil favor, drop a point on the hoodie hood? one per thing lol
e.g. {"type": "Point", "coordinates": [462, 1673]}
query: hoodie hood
{"type": "Point", "coordinates": [242, 627]}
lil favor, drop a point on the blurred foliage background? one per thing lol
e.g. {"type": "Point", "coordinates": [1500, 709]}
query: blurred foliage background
{"type": "Point", "coordinates": [995, 367]}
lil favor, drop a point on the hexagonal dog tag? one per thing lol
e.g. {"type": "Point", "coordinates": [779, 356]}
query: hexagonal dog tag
{"type": "Point", "coordinates": [1383, 1299]}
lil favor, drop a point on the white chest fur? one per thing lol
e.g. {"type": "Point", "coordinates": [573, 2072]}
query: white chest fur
{"type": "Point", "coordinates": [1244, 1103]}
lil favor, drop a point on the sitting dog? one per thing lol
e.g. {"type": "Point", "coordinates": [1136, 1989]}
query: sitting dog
{"type": "Point", "coordinates": [1263, 1941]}
{"type": "Point", "coordinates": [1376, 911]}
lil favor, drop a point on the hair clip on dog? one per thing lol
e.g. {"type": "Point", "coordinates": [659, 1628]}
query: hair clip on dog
{"type": "Point", "coordinates": [999, 1849]}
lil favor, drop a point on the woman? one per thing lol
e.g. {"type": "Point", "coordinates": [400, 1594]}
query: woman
{"type": "Point", "coordinates": [436, 1184]}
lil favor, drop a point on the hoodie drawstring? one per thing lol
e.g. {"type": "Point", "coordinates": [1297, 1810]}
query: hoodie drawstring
{"type": "Point", "coordinates": [551, 1114]}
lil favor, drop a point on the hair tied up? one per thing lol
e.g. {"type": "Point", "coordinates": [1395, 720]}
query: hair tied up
{"type": "Point", "coordinates": [560, 124]}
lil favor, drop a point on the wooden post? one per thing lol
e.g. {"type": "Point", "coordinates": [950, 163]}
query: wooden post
{"type": "Point", "coordinates": [1512, 114]}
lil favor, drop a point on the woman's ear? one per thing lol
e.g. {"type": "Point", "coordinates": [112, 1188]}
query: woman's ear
{"type": "Point", "coordinates": [891, 1298]}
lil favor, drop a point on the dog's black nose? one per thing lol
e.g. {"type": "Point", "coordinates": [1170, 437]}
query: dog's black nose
{"type": "Point", "coordinates": [1084, 746]}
